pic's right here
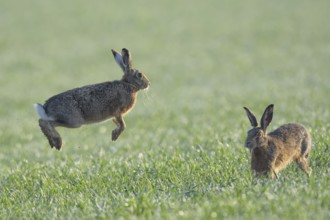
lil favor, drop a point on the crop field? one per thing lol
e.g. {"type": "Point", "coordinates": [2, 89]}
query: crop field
{"type": "Point", "coordinates": [182, 154]}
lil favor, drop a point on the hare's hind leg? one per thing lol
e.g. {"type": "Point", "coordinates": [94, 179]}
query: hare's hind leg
{"type": "Point", "coordinates": [52, 135]}
{"type": "Point", "coordinates": [302, 160]}
{"type": "Point", "coordinates": [119, 121]}
{"type": "Point", "coordinates": [303, 164]}
{"type": "Point", "coordinates": [69, 120]}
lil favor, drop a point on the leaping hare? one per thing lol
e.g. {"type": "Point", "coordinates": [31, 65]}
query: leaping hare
{"type": "Point", "coordinates": [93, 103]}
{"type": "Point", "coordinates": [272, 152]}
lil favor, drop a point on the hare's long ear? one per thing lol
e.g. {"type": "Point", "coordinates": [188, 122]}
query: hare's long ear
{"type": "Point", "coordinates": [251, 117]}
{"type": "Point", "coordinates": [119, 59]}
{"type": "Point", "coordinates": [127, 59]}
{"type": "Point", "coordinates": [267, 117]}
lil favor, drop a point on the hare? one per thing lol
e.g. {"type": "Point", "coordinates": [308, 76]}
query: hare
{"type": "Point", "coordinates": [272, 152]}
{"type": "Point", "coordinates": [93, 103]}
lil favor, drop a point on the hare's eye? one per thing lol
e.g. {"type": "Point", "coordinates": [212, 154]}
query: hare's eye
{"type": "Point", "coordinates": [138, 75]}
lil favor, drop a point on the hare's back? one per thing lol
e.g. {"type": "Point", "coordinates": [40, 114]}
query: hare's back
{"type": "Point", "coordinates": [291, 133]}
{"type": "Point", "coordinates": [92, 103]}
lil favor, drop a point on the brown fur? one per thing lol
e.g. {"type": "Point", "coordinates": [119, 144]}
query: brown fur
{"type": "Point", "coordinates": [272, 152]}
{"type": "Point", "coordinates": [93, 103]}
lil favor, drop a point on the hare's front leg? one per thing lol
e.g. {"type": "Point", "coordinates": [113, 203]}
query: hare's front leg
{"type": "Point", "coordinates": [119, 121]}
{"type": "Point", "coordinates": [274, 174]}
{"type": "Point", "coordinates": [52, 135]}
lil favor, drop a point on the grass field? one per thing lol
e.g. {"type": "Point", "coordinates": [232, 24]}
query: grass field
{"type": "Point", "coordinates": [182, 155]}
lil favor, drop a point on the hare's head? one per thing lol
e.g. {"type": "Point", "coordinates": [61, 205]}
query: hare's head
{"type": "Point", "coordinates": [132, 76]}
{"type": "Point", "coordinates": [257, 136]}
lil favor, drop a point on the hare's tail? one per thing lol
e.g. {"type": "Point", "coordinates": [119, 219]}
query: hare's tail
{"type": "Point", "coordinates": [41, 112]}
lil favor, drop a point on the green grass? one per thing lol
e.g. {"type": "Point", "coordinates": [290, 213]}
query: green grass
{"type": "Point", "coordinates": [182, 155]}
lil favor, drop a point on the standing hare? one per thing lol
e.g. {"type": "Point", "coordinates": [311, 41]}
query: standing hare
{"type": "Point", "coordinates": [272, 152]}
{"type": "Point", "coordinates": [93, 103]}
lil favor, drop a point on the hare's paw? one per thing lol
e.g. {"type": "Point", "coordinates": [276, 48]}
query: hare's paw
{"type": "Point", "coordinates": [309, 171]}
{"type": "Point", "coordinates": [303, 164]}
{"type": "Point", "coordinates": [55, 142]}
{"type": "Point", "coordinates": [115, 134]}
